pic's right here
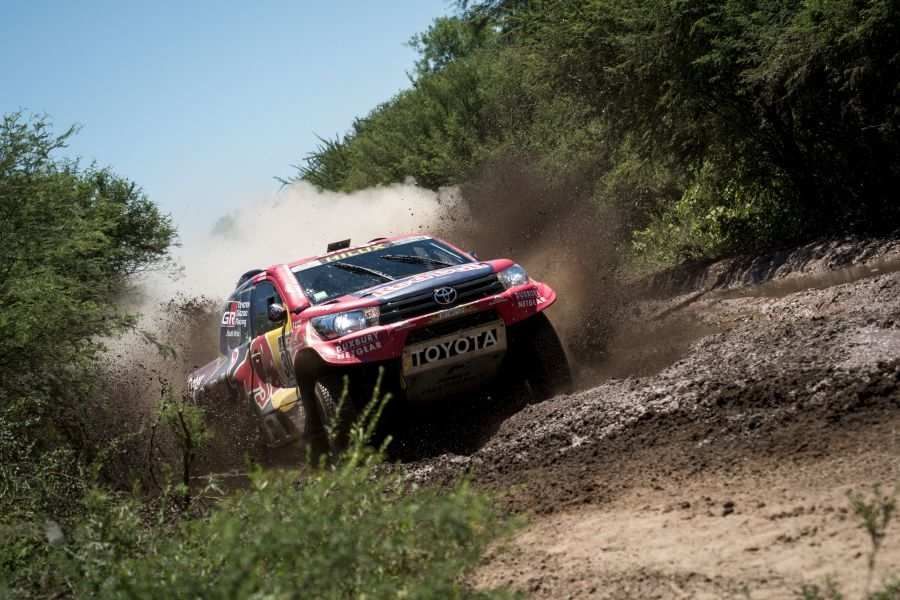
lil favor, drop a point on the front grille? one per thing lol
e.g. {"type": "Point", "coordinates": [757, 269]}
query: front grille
{"type": "Point", "coordinates": [442, 328]}
{"type": "Point", "coordinates": [422, 303]}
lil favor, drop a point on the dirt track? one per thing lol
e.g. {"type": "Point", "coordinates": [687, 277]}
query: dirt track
{"type": "Point", "coordinates": [715, 454]}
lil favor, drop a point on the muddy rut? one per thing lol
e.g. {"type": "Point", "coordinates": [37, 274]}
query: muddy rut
{"type": "Point", "coordinates": [713, 453]}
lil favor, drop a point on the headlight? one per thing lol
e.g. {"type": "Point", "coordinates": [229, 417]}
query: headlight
{"type": "Point", "coordinates": [513, 276]}
{"type": "Point", "coordinates": [341, 324]}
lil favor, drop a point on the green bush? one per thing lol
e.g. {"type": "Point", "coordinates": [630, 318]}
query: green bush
{"type": "Point", "coordinates": [348, 527]}
{"type": "Point", "coordinates": [348, 531]}
{"type": "Point", "coordinates": [71, 239]}
{"type": "Point", "coordinates": [717, 215]}
{"type": "Point", "coordinates": [710, 127]}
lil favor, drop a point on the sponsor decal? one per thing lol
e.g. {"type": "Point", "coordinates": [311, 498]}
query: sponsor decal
{"type": "Point", "coordinates": [450, 313]}
{"type": "Point", "coordinates": [473, 341]}
{"type": "Point", "coordinates": [262, 394]}
{"type": "Point", "coordinates": [238, 358]}
{"type": "Point", "coordinates": [195, 382]}
{"type": "Point", "coordinates": [358, 346]}
{"type": "Point", "coordinates": [529, 298]}
{"type": "Point", "coordinates": [341, 256]}
{"type": "Point", "coordinates": [236, 315]}
{"type": "Point", "coordinates": [350, 253]}
{"type": "Point", "coordinates": [426, 276]}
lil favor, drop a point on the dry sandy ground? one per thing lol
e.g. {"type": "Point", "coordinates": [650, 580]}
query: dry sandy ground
{"type": "Point", "coordinates": [714, 456]}
{"type": "Point", "coordinates": [761, 531]}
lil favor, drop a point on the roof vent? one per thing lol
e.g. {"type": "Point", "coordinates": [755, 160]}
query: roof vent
{"type": "Point", "coordinates": [335, 246]}
{"type": "Point", "coordinates": [248, 276]}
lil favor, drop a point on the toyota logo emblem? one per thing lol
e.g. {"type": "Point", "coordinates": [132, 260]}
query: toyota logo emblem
{"type": "Point", "coordinates": [445, 295]}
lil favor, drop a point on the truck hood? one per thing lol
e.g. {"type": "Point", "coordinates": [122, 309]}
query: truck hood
{"type": "Point", "coordinates": [425, 281]}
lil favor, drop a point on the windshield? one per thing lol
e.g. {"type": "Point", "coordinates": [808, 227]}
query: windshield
{"type": "Point", "coordinates": [345, 273]}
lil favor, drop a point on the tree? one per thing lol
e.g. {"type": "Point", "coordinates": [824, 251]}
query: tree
{"type": "Point", "coordinates": [450, 39]}
{"type": "Point", "coordinates": [71, 239]}
{"type": "Point", "coordinates": [707, 127]}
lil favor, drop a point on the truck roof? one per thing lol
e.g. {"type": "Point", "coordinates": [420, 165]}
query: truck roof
{"type": "Point", "coordinates": [253, 274]}
{"type": "Point", "coordinates": [351, 250]}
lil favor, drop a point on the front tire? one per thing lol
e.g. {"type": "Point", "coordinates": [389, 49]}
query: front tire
{"type": "Point", "coordinates": [336, 410]}
{"type": "Point", "coordinates": [537, 357]}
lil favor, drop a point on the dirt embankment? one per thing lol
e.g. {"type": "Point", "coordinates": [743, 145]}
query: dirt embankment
{"type": "Point", "coordinates": [716, 450]}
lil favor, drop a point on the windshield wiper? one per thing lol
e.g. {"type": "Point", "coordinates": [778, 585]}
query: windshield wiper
{"type": "Point", "coordinates": [409, 258]}
{"type": "Point", "coordinates": [361, 269]}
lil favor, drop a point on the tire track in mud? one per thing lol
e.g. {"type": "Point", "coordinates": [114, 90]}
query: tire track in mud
{"type": "Point", "coordinates": [758, 388]}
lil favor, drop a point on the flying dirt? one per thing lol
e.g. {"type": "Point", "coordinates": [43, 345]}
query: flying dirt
{"type": "Point", "coordinates": [300, 221]}
{"type": "Point", "coordinates": [725, 412]}
{"type": "Point", "coordinates": [722, 463]}
{"type": "Point", "coordinates": [181, 315]}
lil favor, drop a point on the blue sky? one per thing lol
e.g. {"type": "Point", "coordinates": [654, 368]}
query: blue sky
{"type": "Point", "coordinates": [202, 103]}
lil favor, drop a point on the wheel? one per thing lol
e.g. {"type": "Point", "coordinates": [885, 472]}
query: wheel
{"type": "Point", "coordinates": [537, 357]}
{"type": "Point", "coordinates": [336, 417]}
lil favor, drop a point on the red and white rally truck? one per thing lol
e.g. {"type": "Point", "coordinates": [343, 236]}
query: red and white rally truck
{"type": "Point", "coordinates": [436, 322]}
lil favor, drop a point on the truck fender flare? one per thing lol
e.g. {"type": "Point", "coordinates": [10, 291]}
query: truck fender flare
{"type": "Point", "coordinates": [307, 365]}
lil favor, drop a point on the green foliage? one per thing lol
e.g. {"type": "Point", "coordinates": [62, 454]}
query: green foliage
{"type": "Point", "coordinates": [814, 591]}
{"type": "Point", "coordinates": [890, 591]}
{"type": "Point", "coordinates": [350, 530]}
{"type": "Point", "coordinates": [326, 167]}
{"type": "Point", "coordinates": [349, 527]}
{"type": "Point", "coordinates": [875, 512]}
{"type": "Point", "coordinates": [710, 127]}
{"type": "Point", "coordinates": [431, 133]}
{"type": "Point", "coordinates": [186, 422]}
{"type": "Point", "coordinates": [715, 216]}
{"type": "Point", "coordinates": [450, 39]}
{"type": "Point", "coordinates": [70, 240]}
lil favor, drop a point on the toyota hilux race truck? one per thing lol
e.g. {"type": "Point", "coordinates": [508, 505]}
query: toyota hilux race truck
{"type": "Point", "coordinates": [431, 320]}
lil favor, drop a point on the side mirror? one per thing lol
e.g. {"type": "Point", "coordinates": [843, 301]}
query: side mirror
{"type": "Point", "coordinates": [277, 313]}
{"type": "Point", "coordinates": [474, 254]}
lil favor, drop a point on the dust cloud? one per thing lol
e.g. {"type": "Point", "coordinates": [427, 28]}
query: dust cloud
{"type": "Point", "coordinates": [300, 221]}
{"type": "Point", "coordinates": [554, 231]}
{"type": "Point", "coordinates": [560, 236]}
{"type": "Point", "coordinates": [509, 211]}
